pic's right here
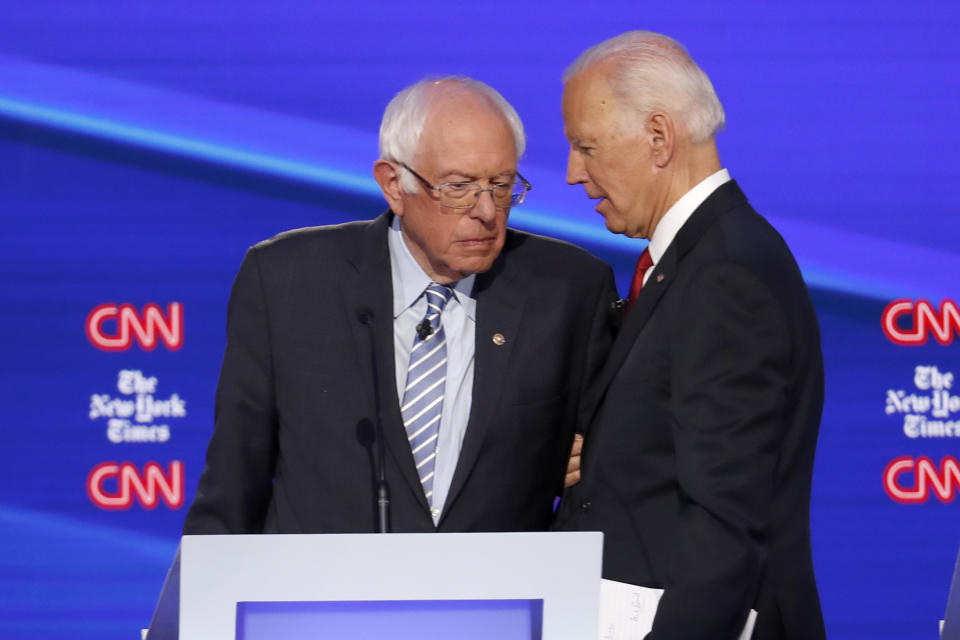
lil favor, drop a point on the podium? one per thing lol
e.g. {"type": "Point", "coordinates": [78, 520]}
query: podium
{"type": "Point", "coordinates": [950, 625]}
{"type": "Point", "coordinates": [510, 586]}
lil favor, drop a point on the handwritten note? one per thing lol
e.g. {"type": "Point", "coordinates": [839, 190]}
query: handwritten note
{"type": "Point", "coordinates": [627, 611]}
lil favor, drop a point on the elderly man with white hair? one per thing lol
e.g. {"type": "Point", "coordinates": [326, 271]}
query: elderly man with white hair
{"type": "Point", "coordinates": [698, 456]}
{"type": "Point", "coordinates": [431, 351]}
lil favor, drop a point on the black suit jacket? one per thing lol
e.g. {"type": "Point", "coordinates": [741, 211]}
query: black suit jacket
{"type": "Point", "coordinates": [292, 447]}
{"type": "Point", "coordinates": [698, 459]}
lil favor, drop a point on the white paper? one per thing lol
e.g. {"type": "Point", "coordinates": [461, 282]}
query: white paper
{"type": "Point", "coordinates": [627, 611]}
{"type": "Point", "coordinates": [748, 627]}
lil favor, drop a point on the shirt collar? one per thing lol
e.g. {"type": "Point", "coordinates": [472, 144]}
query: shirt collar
{"type": "Point", "coordinates": [680, 212]}
{"type": "Point", "coordinates": [410, 280]}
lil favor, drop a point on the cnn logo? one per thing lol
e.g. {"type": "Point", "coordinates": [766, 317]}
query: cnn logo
{"type": "Point", "coordinates": [112, 327]}
{"type": "Point", "coordinates": [115, 486]}
{"type": "Point", "coordinates": [927, 479]}
{"type": "Point", "coordinates": [908, 323]}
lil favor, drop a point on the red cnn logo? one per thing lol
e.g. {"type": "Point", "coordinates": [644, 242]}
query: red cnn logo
{"type": "Point", "coordinates": [143, 327]}
{"type": "Point", "coordinates": [147, 487]}
{"type": "Point", "coordinates": [945, 481]}
{"type": "Point", "coordinates": [944, 324]}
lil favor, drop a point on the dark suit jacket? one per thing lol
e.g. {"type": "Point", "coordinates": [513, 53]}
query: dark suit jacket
{"type": "Point", "coordinates": [291, 450]}
{"type": "Point", "coordinates": [699, 454]}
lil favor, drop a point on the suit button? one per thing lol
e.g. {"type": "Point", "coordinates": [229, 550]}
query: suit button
{"type": "Point", "coordinates": [585, 506]}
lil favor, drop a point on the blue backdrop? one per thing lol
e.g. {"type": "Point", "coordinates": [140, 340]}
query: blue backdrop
{"type": "Point", "coordinates": [145, 145]}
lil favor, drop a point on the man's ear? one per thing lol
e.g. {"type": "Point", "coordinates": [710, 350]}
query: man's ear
{"type": "Point", "coordinates": [662, 135]}
{"type": "Point", "coordinates": [388, 178]}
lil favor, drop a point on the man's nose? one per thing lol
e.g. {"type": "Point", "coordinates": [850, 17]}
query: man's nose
{"type": "Point", "coordinates": [575, 171]}
{"type": "Point", "coordinates": [484, 209]}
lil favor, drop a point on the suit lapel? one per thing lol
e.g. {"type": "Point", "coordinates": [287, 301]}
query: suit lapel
{"type": "Point", "coordinates": [367, 285]}
{"type": "Point", "coordinates": [633, 324]}
{"type": "Point", "coordinates": [499, 310]}
{"type": "Point", "coordinates": [726, 197]}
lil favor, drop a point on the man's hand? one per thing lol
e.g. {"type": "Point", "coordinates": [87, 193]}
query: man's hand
{"type": "Point", "coordinates": [573, 465]}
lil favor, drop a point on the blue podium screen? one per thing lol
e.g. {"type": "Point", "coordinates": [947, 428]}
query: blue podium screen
{"type": "Point", "coordinates": [399, 620]}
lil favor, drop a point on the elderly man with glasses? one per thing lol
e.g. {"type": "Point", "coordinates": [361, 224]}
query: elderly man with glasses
{"type": "Point", "coordinates": [431, 351]}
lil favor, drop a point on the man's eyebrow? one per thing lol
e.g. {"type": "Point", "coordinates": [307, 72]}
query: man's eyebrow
{"type": "Point", "coordinates": [457, 172]}
{"type": "Point", "coordinates": [473, 177]}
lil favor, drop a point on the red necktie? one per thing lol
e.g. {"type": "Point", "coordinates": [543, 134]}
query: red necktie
{"type": "Point", "coordinates": [643, 263]}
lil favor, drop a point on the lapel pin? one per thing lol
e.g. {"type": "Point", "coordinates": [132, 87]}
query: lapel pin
{"type": "Point", "coordinates": [498, 339]}
{"type": "Point", "coordinates": [659, 277]}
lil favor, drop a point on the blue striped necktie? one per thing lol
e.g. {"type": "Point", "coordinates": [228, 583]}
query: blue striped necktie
{"type": "Point", "coordinates": [423, 395]}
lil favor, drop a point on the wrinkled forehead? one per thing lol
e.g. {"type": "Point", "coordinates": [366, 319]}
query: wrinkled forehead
{"type": "Point", "coordinates": [450, 106]}
{"type": "Point", "coordinates": [463, 123]}
{"type": "Point", "coordinates": [589, 101]}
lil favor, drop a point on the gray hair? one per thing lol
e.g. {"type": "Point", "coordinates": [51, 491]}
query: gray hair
{"type": "Point", "coordinates": [405, 116]}
{"type": "Point", "coordinates": [653, 72]}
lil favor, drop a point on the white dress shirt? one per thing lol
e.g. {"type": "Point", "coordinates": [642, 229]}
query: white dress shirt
{"type": "Point", "coordinates": [679, 213]}
{"type": "Point", "coordinates": [459, 320]}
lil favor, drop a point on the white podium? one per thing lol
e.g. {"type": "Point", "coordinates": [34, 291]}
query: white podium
{"type": "Point", "coordinates": [523, 586]}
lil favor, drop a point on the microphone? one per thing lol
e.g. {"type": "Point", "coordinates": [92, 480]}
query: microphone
{"type": "Point", "coordinates": [365, 316]}
{"type": "Point", "coordinates": [424, 330]}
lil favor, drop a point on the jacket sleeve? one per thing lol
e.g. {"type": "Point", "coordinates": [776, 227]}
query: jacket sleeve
{"type": "Point", "coordinates": [728, 393]}
{"type": "Point", "coordinates": [235, 487]}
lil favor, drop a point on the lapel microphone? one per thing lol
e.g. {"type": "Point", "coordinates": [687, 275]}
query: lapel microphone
{"type": "Point", "coordinates": [424, 330]}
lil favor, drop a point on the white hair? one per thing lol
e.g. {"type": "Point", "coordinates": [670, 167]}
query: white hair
{"type": "Point", "coordinates": [653, 72]}
{"type": "Point", "coordinates": [405, 116]}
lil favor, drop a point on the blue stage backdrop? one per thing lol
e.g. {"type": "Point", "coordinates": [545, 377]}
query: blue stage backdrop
{"type": "Point", "coordinates": [145, 145]}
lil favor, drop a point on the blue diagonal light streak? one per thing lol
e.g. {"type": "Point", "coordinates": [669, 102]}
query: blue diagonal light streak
{"type": "Point", "coordinates": [221, 154]}
{"type": "Point", "coordinates": [336, 158]}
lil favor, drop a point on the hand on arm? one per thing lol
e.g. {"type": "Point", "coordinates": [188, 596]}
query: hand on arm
{"type": "Point", "coordinates": [573, 464]}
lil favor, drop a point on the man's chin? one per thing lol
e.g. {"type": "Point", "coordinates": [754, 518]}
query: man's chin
{"type": "Point", "coordinates": [474, 265]}
{"type": "Point", "coordinates": [614, 225]}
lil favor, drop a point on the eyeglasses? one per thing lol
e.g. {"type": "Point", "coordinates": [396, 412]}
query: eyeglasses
{"type": "Point", "coordinates": [465, 195]}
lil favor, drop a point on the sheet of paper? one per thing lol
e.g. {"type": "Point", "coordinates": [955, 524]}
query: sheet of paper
{"type": "Point", "coordinates": [748, 627]}
{"type": "Point", "coordinates": [627, 611]}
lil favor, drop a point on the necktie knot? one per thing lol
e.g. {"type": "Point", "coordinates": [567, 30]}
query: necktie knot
{"type": "Point", "coordinates": [437, 295]}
